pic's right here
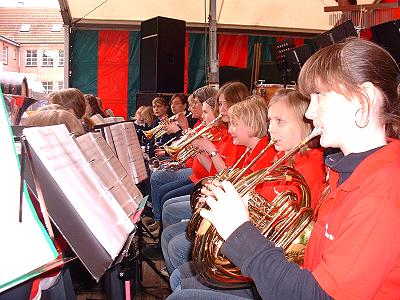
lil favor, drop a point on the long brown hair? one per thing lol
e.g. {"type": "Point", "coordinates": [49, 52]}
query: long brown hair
{"type": "Point", "coordinates": [71, 98]}
{"type": "Point", "coordinates": [233, 92]}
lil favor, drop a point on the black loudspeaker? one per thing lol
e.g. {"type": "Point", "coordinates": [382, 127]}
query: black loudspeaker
{"type": "Point", "coordinates": [145, 99]}
{"type": "Point", "coordinates": [162, 55]}
{"type": "Point", "coordinates": [388, 36]}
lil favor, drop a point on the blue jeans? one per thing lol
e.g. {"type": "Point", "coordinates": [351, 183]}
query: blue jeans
{"type": "Point", "coordinates": [176, 248]}
{"type": "Point", "coordinates": [195, 289]}
{"type": "Point", "coordinates": [171, 190]}
{"type": "Point", "coordinates": [158, 178]}
{"type": "Point", "coordinates": [194, 294]}
{"type": "Point", "coordinates": [176, 210]}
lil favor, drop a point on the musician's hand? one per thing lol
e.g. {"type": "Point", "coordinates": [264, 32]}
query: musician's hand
{"type": "Point", "coordinates": [159, 152]}
{"type": "Point", "coordinates": [182, 121]}
{"type": "Point", "coordinates": [208, 189]}
{"type": "Point", "coordinates": [228, 212]}
{"type": "Point", "coordinates": [171, 128]}
{"type": "Point", "coordinates": [204, 144]}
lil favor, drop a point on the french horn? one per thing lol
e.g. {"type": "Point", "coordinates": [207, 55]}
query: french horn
{"type": "Point", "coordinates": [229, 174]}
{"type": "Point", "coordinates": [280, 220]}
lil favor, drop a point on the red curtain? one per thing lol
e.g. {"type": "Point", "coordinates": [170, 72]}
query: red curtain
{"type": "Point", "coordinates": [233, 50]}
{"type": "Point", "coordinates": [112, 86]}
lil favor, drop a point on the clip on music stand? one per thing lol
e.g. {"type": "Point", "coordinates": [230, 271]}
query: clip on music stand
{"type": "Point", "coordinates": [278, 51]}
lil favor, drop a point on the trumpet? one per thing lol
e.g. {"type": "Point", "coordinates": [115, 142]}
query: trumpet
{"type": "Point", "coordinates": [280, 220]}
{"type": "Point", "coordinates": [159, 131]}
{"type": "Point", "coordinates": [174, 149]}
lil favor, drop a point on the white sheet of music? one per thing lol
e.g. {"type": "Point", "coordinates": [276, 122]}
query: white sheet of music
{"type": "Point", "coordinates": [97, 119]}
{"type": "Point", "coordinates": [25, 245]}
{"type": "Point", "coordinates": [128, 150]}
{"type": "Point", "coordinates": [110, 171]}
{"type": "Point", "coordinates": [114, 119]}
{"type": "Point", "coordinates": [109, 139]}
{"type": "Point", "coordinates": [61, 156]}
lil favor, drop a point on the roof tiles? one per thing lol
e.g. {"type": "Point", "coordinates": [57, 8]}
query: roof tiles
{"type": "Point", "coordinates": [40, 19]}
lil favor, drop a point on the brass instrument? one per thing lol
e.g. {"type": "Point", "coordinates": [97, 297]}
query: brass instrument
{"type": "Point", "coordinates": [158, 131]}
{"type": "Point", "coordinates": [229, 174]}
{"type": "Point", "coordinates": [174, 149]}
{"type": "Point", "coordinates": [280, 220]}
{"type": "Point", "coordinates": [149, 134]}
{"type": "Point", "coordinates": [191, 151]}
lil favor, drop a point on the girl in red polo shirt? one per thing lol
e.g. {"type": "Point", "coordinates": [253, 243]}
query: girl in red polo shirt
{"type": "Point", "coordinates": [353, 251]}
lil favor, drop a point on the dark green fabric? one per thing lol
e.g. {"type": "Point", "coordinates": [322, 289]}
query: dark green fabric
{"type": "Point", "coordinates": [266, 41]}
{"type": "Point", "coordinates": [197, 60]}
{"type": "Point", "coordinates": [133, 71]}
{"type": "Point", "coordinates": [84, 57]}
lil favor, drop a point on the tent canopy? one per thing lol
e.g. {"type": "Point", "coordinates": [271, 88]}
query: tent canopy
{"type": "Point", "coordinates": [272, 15]}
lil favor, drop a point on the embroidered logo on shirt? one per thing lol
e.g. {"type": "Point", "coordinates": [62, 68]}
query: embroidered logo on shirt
{"type": "Point", "coordinates": [328, 235]}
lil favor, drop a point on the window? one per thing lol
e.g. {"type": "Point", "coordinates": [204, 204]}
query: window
{"type": "Point", "coordinates": [25, 28]}
{"type": "Point", "coordinates": [56, 27]}
{"type": "Point", "coordinates": [48, 86]}
{"type": "Point", "coordinates": [15, 54]}
{"type": "Point", "coordinates": [31, 58]}
{"type": "Point", "coordinates": [60, 58]}
{"type": "Point", "coordinates": [47, 59]}
{"type": "Point", "coordinates": [5, 55]}
{"type": "Point", "coordinates": [60, 85]}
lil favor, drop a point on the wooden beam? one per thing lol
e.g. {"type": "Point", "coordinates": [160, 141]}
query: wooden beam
{"type": "Point", "coordinates": [362, 7]}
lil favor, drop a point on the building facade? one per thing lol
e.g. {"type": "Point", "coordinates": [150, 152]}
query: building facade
{"type": "Point", "coordinates": [32, 42]}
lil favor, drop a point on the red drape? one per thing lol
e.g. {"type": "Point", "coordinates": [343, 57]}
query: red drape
{"type": "Point", "coordinates": [297, 42]}
{"type": "Point", "coordinates": [112, 87]}
{"type": "Point", "coordinates": [233, 50]}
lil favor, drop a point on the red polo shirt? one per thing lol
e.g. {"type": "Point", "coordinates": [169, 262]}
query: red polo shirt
{"type": "Point", "coordinates": [310, 165]}
{"type": "Point", "coordinates": [354, 249]}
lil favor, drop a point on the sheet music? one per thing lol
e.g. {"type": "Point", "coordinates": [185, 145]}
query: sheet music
{"type": "Point", "coordinates": [99, 210]}
{"type": "Point", "coordinates": [128, 150]}
{"type": "Point", "coordinates": [114, 119]}
{"type": "Point", "coordinates": [26, 245]}
{"type": "Point", "coordinates": [97, 119]}
{"type": "Point", "coordinates": [110, 171]}
{"type": "Point", "coordinates": [109, 139]}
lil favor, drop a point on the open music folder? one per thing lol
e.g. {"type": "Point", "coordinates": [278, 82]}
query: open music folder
{"type": "Point", "coordinates": [128, 150]}
{"type": "Point", "coordinates": [26, 248]}
{"type": "Point", "coordinates": [89, 195]}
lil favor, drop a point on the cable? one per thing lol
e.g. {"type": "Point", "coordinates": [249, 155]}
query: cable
{"type": "Point", "coordinates": [90, 12]}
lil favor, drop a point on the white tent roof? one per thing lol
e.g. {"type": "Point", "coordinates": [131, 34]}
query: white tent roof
{"type": "Point", "coordinates": [275, 15]}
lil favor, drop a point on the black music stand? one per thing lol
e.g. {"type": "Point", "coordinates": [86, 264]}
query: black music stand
{"type": "Point", "coordinates": [278, 51]}
{"type": "Point", "coordinates": [132, 266]}
{"type": "Point", "coordinates": [335, 35]}
{"type": "Point", "coordinates": [296, 58]}
{"type": "Point", "coordinates": [388, 36]}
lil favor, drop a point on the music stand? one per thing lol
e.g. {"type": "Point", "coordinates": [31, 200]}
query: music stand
{"type": "Point", "coordinates": [388, 36]}
{"type": "Point", "coordinates": [132, 269]}
{"type": "Point", "coordinates": [278, 51]}
{"type": "Point", "coordinates": [296, 58]}
{"type": "Point", "coordinates": [334, 35]}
